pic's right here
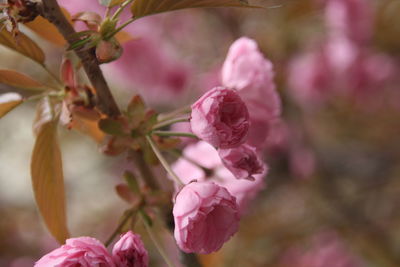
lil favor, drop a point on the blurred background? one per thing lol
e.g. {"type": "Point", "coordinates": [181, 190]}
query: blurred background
{"type": "Point", "coordinates": [333, 189]}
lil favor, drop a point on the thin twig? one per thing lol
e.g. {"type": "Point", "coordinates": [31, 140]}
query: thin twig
{"type": "Point", "coordinates": [163, 161]}
{"type": "Point", "coordinates": [155, 241]}
{"type": "Point", "coordinates": [50, 10]}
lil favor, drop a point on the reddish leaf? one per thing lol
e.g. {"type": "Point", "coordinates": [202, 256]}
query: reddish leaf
{"type": "Point", "coordinates": [9, 101]}
{"type": "Point", "coordinates": [48, 31]}
{"type": "Point", "coordinates": [126, 194]}
{"type": "Point", "coordinates": [45, 112]}
{"type": "Point", "coordinates": [48, 180]}
{"type": "Point", "coordinates": [23, 45]}
{"type": "Point", "coordinates": [67, 73]}
{"type": "Point", "coordinates": [141, 8]}
{"type": "Point", "coordinates": [19, 80]}
{"type": "Point", "coordinates": [123, 37]}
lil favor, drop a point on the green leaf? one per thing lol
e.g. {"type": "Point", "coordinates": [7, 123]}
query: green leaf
{"type": "Point", "coordinates": [48, 180]}
{"type": "Point", "coordinates": [111, 126]}
{"type": "Point", "coordinates": [23, 45]}
{"type": "Point", "coordinates": [147, 219]}
{"type": "Point", "coordinates": [141, 8]}
{"type": "Point", "coordinates": [19, 80]}
{"type": "Point", "coordinates": [132, 182]}
{"type": "Point", "coordinates": [8, 102]}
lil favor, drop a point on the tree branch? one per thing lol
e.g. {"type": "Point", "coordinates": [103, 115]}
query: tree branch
{"type": "Point", "coordinates": [50, 10]}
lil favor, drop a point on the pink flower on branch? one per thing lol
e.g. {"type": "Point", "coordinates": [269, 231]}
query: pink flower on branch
{"type": "Point", "coordinates": [352, 19]}
{"type": "Point", "coordinates": [221, 118]}
{"type": "Point", "coordinates": [80, 251]}
{"type": "Point", "coordinates": [245, 67]}
{"type": "Point", "coordinates": [242, 161]}
{"type": "Point", "coordinates": [204, 155]}
{"type": "Point", "coordinates": [129, 251]}
{"type": "Point", "coordinates": [251, 74]}
{"type": "Point", "coordinates": [206, 216]}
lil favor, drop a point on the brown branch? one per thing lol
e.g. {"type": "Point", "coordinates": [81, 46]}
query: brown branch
{"type": "Point", "coordinates": [50, 10]}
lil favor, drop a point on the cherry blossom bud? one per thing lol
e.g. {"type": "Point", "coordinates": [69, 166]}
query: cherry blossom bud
{"type": "Point", "coordinates": [129, 251]}
{"type": "Point", "coordinates": [221, 118]}
{"type": "Point", "coordinates": [107, 51]}
{"type": "Point", "coordinates": [206, 216]}
{"type": "Point", "coordinates": [242, 161]}
{"type": "Point", "coordinates": [245, 67]}
{"type": "Point", "coordinates": [80, 251]}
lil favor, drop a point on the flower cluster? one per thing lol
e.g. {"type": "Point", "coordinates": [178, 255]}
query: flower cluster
{"type": "Point", "coordinates": [129, 251]}
{"type": "Point", "coordinates": [225, 170]}
{"type": "Point", "coordinates": [342, 65]}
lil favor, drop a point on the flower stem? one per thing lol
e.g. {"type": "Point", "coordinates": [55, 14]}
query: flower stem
{"type": "Point", "coordinates": [155, 241]}
{"type": "Point", "coordinates": [168, 133]}
{"type": "Point", "coordinates": [169, 122]}
{"type": "Point", "coordinates": [128, 214]}
{"type": "Point", "coordinates": [173, 114]}
{"type": "Point", "coordinates": [208, 172]}
{"type": "Point", "coordinates": [163, 161]}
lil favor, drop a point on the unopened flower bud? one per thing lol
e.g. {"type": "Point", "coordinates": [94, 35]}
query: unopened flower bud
{"type": "Point", "coordinates": [107, 51]}
{"type": "Point", "coordinates": [221, 118]}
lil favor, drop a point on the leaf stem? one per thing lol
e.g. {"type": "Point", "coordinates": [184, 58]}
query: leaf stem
{"type": "Point", "coordinates": [120, 9]}
{"type": "Point", "coordinates": [126, 23]}
{"type": "Point", "coordinates": [155, 241]}
{"type": "Point", "coordinates": [107, 12]}
{"type": "Point", "coordinates": [168, 133]}
{"type": "Point", "coordinates": [163, 161]}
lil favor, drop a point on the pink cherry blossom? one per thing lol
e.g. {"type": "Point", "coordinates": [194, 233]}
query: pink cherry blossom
{"type": "Point", "coordinates": [350, 18]}
{"type": "Point", "coordinates": [245, 67]}
{"type": "Point", "coordinates": [205, 155]}
{"type": "Point", "coordinates": [80, 251]}
{"type": "Point", "coordinates": [324, 249]}
{"type": "Point", "coordinates": [242, 161]}
{"type": "Point", "coordinates": [248, 71]}
{"type": "Point", "coordinates": [221, 118]}
{"type": "Point", "coordinates": [206, 216]}
{"type": "Point", "coordinates": [150, 70]}
{"type": "Point", "coordinates": [339, 67]}
{"type": "Point", "coordinates": [129, 251]}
